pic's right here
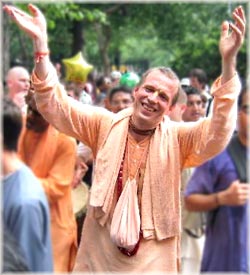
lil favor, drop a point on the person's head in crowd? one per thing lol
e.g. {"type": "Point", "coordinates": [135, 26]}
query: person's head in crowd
{"type": "Point", "coordinates": [198, 79]}
{"type": "Point", "coordinates": [243, 122]}
{"type": "Point", "coordinates": [12, 125]}
{"type": "Point", "coordinates": [18, 83]}
{"type": "Point", "coordinates": [120, 98]}
{"type": "Point", "coordinates": [155, 95]}
{"type": "Point", "coordinates": [34, 120]}
{"type": "Point", "coordinates": [115, 77]}
{"type": "Point", "coordinates": [179, 108]}
{"type": "Point", "coordinates": [72, 90]}
{"type": "Point", "coordinates": [195, 109]}
{"type": "Point", "coordinates": [185, 82]}
{"type": "Point", "coordinates": [103, 83]}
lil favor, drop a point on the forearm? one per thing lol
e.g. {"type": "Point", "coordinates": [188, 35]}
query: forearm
{"type": "Point", "coordinates": [202, 202]}
{"type": "Point", "coordinates": [41, 57]}
{"type": "Point", "coordinates": [228, 69]}
{"type": "Point", "coordinates": [211, 135]}
{"type": "Point", "coordinates": [222, 123]}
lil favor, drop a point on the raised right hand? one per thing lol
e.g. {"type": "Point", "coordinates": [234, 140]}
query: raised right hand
{"type": "Point", "coordinates": [34, 25]}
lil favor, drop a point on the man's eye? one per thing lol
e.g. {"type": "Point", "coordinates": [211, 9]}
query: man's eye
{"type": "Point", "coordinates": [149, 90]}
{"type": "Point", "coordinates": [163, 97]}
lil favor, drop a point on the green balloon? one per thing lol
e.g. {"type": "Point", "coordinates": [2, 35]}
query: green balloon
{"type": "Point", "coordinates": [129, 79]}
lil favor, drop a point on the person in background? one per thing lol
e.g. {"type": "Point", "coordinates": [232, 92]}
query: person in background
{"type": "Point", "coordinates": [192, 238]}
{"type": "Point", "coordinates": [193, 223]}
{"type": "Point", "coordinates": [25, 207]}
{"type": "Point", "coordinates": [120, 98]}
{"type": "Point", "coordinates": [198, 80]}
{"type": "Point", "coordinates": [18, 84]}
{"type": "Point", "coordinates": [13, 257]}
{"type": "Point", "coordinates": [195, 109]}
{"type": "Point", "coordinates": [138, 153]}
{"type": "Point", "coordinates": [103, 85]}
{"type": "Point", "coordinates": [115, 77]}
{"type": "Point", "coordinates": [72, 90]}
{"type": "Point", "coordinates": [52, 155]}
{"type": "Point", "coordinates": [221, 187]}
{"type": "Point", "coordinates": [179, 108]}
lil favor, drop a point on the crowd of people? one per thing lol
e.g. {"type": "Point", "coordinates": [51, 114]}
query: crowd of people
{"type": "Point", "coordinates": [168, 189]}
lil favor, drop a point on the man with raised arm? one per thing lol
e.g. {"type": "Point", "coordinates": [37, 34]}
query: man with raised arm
{"type": "Point", "coordinates": [133, 219]}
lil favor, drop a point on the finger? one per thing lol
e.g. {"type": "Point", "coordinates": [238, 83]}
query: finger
{"type": "Point", "coordinates": [239, 22]}
{"type": "Point", "coordinates": [240, 11]}
{"type": "Point", "coordinates": [34, 10]}
{"type": "Point", "coordinates": [18, 12]}
{"type": "Point", "coordinates": [224, 29]}
{"type": "Point", "coordinates": [245, 186]}
{"type": "Point", "coordinates": [8, 10]}
{"type": "Point", "coordinates": [237, 32]}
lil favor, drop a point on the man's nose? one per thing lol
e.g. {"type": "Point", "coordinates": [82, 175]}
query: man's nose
{"type": "Point", "coordinates": [197, 106]}
{"type": "Point", "coordinates": [153, 96]}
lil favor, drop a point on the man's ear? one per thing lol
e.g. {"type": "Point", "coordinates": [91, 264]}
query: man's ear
{"type": "Point", "coordinates": [135, 91]}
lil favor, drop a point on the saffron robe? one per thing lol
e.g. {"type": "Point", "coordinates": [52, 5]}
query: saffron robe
{"type": "Point", "coordinates": [172, 147]}
{"type": "Point", "coordinates": [51, 156]}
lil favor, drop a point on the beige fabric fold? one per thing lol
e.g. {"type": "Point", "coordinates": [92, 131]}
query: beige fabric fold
{"type": "Point", "coordinates": [158, 215]}
{"type": "Point", "coordinates": [172, 147]}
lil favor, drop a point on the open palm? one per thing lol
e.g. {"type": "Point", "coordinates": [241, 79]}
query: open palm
{"type": "Point", "coordinates": [232, 35]}
{"type": "Point", "coordinates": [35, 26]}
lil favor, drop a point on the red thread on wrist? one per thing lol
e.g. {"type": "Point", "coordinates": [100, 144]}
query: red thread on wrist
{"type": "Point", "coordinates": [40, 55]}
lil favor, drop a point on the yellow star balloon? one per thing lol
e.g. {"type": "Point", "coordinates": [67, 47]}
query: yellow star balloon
{"type": "Point", "coordinates": [77, 68]}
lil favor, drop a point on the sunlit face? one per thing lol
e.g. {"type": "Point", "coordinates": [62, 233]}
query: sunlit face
{"type": "Point", "coordinates": [244, 117]}
{"type": "Point", "coordinates": [34, 120]}
{"type": "Point", "coordinates": [120, 101]}
{"type": "Point", "coordinates": [153, 100]}
{"type": "Point", "coordinates": [194, 110]}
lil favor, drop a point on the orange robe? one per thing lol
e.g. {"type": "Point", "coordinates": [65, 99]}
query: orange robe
{"type": "Point", "coordinates": [172, 147]}
{"type": "Point", "coordinates": [51, 155]}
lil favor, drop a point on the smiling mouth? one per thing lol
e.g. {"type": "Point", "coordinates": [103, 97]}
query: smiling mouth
{"type": "Point", "coordinates": [148, 108]}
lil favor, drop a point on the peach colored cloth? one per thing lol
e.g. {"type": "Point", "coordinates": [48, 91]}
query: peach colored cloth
{"type": "Point", "coordinates": [172, 147]}
{"type": "Point", "coordinates": [51, 156]}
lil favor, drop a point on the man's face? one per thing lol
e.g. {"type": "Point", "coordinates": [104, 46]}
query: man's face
{"type": "Point", "coordinates": [194, 110]}
{"type": "Point", "coordinates": [153, 100]}
{"type": "Point", "coordinates": [120, 101]}
{"type": "Point", "coordinates": [18, 86]}
{"type": "Point", "coordinates": [34, 120]}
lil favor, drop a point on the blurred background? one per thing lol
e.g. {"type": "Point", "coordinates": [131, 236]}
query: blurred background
{"type": "Point", "coordinates": [128, 36]}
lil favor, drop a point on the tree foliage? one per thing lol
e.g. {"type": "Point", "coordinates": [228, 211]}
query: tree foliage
{"type": "Point", "coordinates": [138, 35]}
